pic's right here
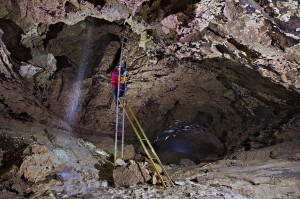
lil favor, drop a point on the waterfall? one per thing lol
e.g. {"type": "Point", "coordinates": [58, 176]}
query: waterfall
{"type": "Point", "coordinates": [74, 99]}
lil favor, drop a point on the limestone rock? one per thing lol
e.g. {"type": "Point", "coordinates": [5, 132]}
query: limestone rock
{"type": "Point", "coordinates": [154, 179]}
{"type": "Point", "coordinates": [40, 164]}
{"type": "Point", "coordinates": [129, 152]}
{"type": "Point", "coordinates": [6, 67]}
{"type": "Point", "coordinates": [133, 5]}
{"type": "Point", "coordinates": [28, 70]}
{"type": "Point", "coordinates": [180, 182]}
{"type": "Point", "coordinates": [49, 68]}
{"type": "Point", "coordinates": [70, 12]}
{"type": "Point", "coordinates": [120, 162]}
{"type": "Point", "coordinates": [131, 174]}
{"type": "Point", "coordinates": [43, 191]}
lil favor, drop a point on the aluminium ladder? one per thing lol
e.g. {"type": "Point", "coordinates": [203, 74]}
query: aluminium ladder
{"type": "Point", "coordinates": [144, 141]}
{"type": "Point", "coordinates": [121, 117]}
{"type": "Point", "coordinates": [122, 103]}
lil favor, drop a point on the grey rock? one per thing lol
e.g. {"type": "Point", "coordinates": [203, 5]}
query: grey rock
{"type": "Point", "coordinates": [120, 162]}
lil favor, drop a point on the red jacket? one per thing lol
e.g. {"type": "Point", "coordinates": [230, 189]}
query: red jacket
{"type": "Point", "coordinates": [114, 78]}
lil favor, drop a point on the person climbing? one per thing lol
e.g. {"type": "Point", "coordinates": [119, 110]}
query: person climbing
{"type": "Point", "coordinates": [114, 81]}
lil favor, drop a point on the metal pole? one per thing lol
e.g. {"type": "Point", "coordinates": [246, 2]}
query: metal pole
{"type": "Point", "coordinates": [123, 131]}
{"type": "Point", "coordinates": [117, 116]}
{"type": "Point", "coordinates": [116, 135]}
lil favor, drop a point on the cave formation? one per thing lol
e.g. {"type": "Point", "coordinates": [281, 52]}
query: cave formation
{"type": "Point", "coordinates": [215, 85]}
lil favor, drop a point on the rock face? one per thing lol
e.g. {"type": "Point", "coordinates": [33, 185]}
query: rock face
{"type": "Point", "coordinates": [40, 164]}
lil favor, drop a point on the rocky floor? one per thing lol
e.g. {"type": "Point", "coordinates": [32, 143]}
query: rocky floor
{"type": "Point", "coordinates": [270, 172]}
{"type": "Point", "coordinates": [224, 179]}
{"type": "Point", "coordinates": [259, 177]}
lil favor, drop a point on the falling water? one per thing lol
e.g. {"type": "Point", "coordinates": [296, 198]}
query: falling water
{"type": "Point", "coordinates": [77, 85]}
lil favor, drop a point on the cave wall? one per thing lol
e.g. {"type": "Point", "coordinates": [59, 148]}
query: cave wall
{"type": "Point", "coordinates": [230, 66]}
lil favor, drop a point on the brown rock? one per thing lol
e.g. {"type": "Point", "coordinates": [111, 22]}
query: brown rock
{"type": "Point", "coordinates": [40, 164]}
{"type": "Point", "coordinates": [129, 152]}
{"type": "Point", "coordinates": [12, 182]}
{"type": "Point", "coordinates": [42, 191]}
{"type": "Point", "coordinates": [132, 174]}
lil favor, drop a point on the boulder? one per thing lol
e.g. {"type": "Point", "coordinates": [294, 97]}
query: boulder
{"type": "Point", "coordinates": [129, 152]}
{"type": "Point", "coordinates": [40, 164]}
{"type": "Point", "coordinates": [132, 174]}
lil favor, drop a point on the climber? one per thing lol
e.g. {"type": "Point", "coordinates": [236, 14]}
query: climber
{"type": "Point", "coordinates": [114, 81]}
